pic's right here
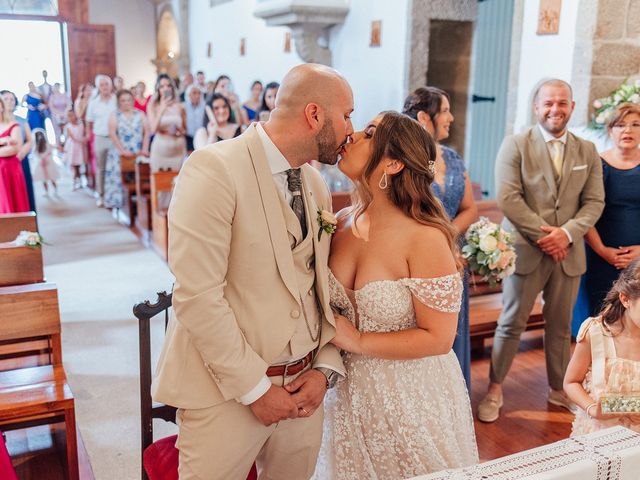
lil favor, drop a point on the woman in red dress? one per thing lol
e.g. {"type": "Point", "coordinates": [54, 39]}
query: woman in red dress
{"type": "Point", "coordinates": [13, 189]}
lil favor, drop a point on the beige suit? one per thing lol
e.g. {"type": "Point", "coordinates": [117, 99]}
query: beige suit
{"type": "Point", "coordinates": [531, 195]}
{"type": "Point", "coordinates": [236, 307]}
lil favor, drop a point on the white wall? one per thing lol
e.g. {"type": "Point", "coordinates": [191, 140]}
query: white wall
{"type": "Point", "coordinates": [135, 34]}
{"type": "Point", "coordinates": [543, 56]}
{"type": "Point", "coordinates": [377, 75]}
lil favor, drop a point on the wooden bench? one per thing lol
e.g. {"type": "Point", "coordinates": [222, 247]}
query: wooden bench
{"type": "Point", "coordinates": [161, 188]}
{"type": "Point", "coordinates": [20, 265]}
{"type": "Point", "coordinates": [34, 395]}
{"type": "Point", "coordinates": [11, 224]}
{"type": "Point", "coordinates": [143, 197]}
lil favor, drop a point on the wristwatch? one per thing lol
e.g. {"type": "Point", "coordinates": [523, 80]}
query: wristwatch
{"type": "Point", "coordinates": [331, 375]}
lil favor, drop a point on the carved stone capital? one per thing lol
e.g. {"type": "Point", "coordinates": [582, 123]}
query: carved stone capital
{"type": "Point", "coordinates": [309, 22]}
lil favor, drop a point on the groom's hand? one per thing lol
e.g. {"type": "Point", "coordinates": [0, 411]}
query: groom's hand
{"type": "Point", "coordinates": [307, 391]}
{"type": "Point", "coordinates": [275, 405]}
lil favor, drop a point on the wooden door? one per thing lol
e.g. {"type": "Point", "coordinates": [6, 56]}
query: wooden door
{"type": "Point", "coordinates": [92, 50]}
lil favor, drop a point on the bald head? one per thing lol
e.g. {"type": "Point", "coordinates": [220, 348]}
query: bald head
{"type": "Point", "coordinates": [554, 82]}
{"type": "Point", "coordinates": [312, 83]}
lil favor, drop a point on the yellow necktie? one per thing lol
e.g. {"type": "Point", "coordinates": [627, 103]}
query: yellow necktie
{"type": "Point", "coordinates": [556, 159]}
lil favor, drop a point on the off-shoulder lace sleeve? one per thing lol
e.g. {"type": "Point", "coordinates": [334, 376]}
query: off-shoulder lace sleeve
{"type": "Point", "coordinates": [440, 293]}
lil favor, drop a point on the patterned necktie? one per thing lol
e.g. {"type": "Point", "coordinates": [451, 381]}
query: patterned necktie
{"type": "Point", "coordinates": [556, 159]}
{"type": "Point", "coordinates": [297, 204]}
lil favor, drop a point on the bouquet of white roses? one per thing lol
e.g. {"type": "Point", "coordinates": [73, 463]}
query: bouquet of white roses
{"type": "Point", "coordinates": [29, 239]}
{"type": "Point", "coordinates": [605, 108]}
{"type": "Point", "coordinates": [489, 251]}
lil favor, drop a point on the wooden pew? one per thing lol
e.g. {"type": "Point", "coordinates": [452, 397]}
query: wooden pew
{"type": "Point", "coordinates": [127, 174]}
{"type": "Point", "coordinates": [35, 395]}
{"type": "Point", "coordinates": [161, 188]}
{"type": "Point", "coordinates": [485, 302]}
{"type": "Point", "coordinates": [143, 197]}
{"type": "Point", "coordinates": [20, 265]}
{"type": "Point", "coordinates": [11, 224]}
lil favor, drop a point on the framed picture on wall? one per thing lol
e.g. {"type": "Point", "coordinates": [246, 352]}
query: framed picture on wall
{"type": "Point", "coordinates": [549, 17]}
{"type": "Point", "coordinates": [243, 47]}
{"type": "Point", "coordinates": [376, 31]}
{"type": "Point", "coordinates": [287, 42]}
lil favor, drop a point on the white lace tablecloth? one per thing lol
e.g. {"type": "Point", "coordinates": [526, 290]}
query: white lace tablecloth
{"type": "Point", "coordinates": [611, 454]}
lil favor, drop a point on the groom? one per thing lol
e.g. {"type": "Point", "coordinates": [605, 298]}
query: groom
{"type": "Point", "coordinates": [246, 358]}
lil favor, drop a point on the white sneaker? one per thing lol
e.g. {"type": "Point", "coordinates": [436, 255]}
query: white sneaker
{"type": "Point", "coordinates": [560, 399]}
{"type": "Point", "coordinates": [489, 408]}
{"type": "Point", "coordinates": [99, 202]}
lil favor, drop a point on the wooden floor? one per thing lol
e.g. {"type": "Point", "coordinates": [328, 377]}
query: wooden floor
{"type": "Point", "coordinates": [527, 420]}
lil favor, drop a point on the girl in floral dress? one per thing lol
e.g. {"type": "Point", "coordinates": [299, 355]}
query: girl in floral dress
{"type": "Point", "coordinates": [606, 360]}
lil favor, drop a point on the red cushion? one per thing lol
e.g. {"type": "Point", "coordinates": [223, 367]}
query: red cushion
{"type": "Point", "coordinates": [6, 468]}
{"type": "Point", "coordinates": [160, 460]}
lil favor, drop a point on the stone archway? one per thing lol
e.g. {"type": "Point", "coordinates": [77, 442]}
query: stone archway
{"type": "Point", "coordinates": [168, 47]}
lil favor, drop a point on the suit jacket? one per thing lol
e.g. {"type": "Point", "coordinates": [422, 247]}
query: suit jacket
{"type": "Point", "coordinates": [530, 197]}
{"type": "Point", "coordinates": [235, 300]}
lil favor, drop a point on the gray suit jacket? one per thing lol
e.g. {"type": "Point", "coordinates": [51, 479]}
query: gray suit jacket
{"type": "Point", "coordinates": [530, 197]}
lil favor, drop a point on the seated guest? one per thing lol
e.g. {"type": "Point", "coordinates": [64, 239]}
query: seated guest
{"type": "Point", "coordinates": [13, 189]}
{"type": "Point", "coordinates": [168, 121]}
{"type": "Point", "coordinates": [252, 106]}
{"type": "Point", "coordinates": [129, 132]}
{"type": "Point", "coordinates": [614, 241]}
{"type": "Point", "coordinates": [606, 360]}
{"type": "Point", "coordinates": [268, 100]}
{"type": "Point", "coordinates": [217, 123]}
{"type": "Point", "coordinates": [430, 107]}
{"type": "Point", "coordinates": [194, 107]}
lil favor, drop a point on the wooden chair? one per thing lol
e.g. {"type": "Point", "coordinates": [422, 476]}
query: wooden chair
{"type": "Point", "coordinates": [143, 197]}
{"type": "Point", "coordinates": [160, 458]}
{"type": "Point", "coordinates": [161, 188]}
{"type": "Point", "coordinates": [11, 224]}
{"type": "Point", "coordinates": [127, 175]}
{"type": "Point", "coordinates": [35, 395]}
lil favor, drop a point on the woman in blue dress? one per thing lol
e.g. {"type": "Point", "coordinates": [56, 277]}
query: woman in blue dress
{"type": "Point", "coordinates": [129, 132]}
{"type": "Point", "coordinates": [10, 101]}
{"type": "Point", "coordinates": [614, 241]}
{"type": "Point", "coordinates": [35, 107]}
{"type": "Point", "coordinates": [431, 108]}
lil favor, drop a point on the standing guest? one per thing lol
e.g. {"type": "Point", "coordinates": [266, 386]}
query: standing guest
{"type": "Point", "coordinates": [201, 81]}
{"type": "Point", "coordinates": [13, 190]}
{"type": "Point", "coordinates": [35, 107]}
{"type": "Point", "coordinates": [45, 87]}
{"type": "Point", "coordinates": [82, 100]}
{"type": "Point", "coordinates": [217, 123]}
{"type": "Point", "coordinates": [140, 98]}
{"type": "Point", "coordinates": [10, 102]}
{"type": "Point", "coordinates": [252, 106]}
{"type": "Point", "coordinates": [129, 133]}
{"type": "Point", "coordinates": [606, 360]}
{"type": "Point", "coordinates": [195, 110]}
{"type": "Point", "coordinates": [46, 169]}
{"type": "Point", "coordinates": [59, 103]}
{"type": "Point", "coordinates": [615, 240]}
{"type": "Point", "coordinates": [80, 108]}
{"type": "Point", "coordinates": [168, 122]}
{"type": "Point", "coordinates": [75, 146]}
{"type": "Point", "coordinates": [550, 189]}
{"type": "Point", "coordinates": [118, 84]}
{"type": "Point", "coordinates": [268, 100]}
{"type": "Point", "coordinates": [187, 80]}
{"type": "Point", "coordinates": [431, 108]}
{"type": "Point", "coordinates": [224, 87]}
{"type": "Point", "coordinates": [98, 113]}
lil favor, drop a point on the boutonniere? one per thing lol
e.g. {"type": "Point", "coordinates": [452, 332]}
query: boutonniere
{"type": "Point", "coordinates": [327, 222]}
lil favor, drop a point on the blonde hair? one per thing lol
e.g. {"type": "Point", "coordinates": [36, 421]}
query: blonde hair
{"type": "Point", "coordinates": [622, 111]}
{"type": "Point", "coordinates": [628, 284]}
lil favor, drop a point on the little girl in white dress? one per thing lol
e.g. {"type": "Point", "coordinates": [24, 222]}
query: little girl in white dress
{"type": "Point", "coordinates": [45, 169]}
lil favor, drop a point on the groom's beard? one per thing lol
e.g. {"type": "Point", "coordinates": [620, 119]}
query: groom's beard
{"type": "Point", "coordinates": [326, 142]}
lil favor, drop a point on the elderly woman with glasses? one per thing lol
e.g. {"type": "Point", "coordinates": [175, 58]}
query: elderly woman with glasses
{"type": "Point", "coordinates": [615, 240]}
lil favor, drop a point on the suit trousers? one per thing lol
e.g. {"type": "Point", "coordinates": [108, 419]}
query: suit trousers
{"type": "Point", "coordinates": [519, 292]}
{"type": "Point", "coordinates": [101, 147]}
{"type": "Point", "coordinates": [221, 443]}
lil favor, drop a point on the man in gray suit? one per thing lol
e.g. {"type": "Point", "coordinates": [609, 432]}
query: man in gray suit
{"type": "Point", "coordinates": [550, 189]}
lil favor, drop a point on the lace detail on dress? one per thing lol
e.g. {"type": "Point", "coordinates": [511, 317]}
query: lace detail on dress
{"type": "Point", "coordinates": [440, 293]}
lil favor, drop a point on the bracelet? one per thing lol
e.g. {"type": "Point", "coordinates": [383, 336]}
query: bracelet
{"type": "Point", "coordinates": [594, 404]}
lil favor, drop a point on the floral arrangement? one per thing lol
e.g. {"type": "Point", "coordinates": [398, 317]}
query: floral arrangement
{"type": "Point", "coordinates": [628, 92]}
{"type": "Point", "coordinates": [327, 222]}
{"type": "Point", "coordinates": [29, 239]}
{"type": "Point", "coordinates": [489, 251]}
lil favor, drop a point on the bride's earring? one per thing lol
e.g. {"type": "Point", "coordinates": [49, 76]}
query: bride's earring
{"type": "Point", "coordinates": [383, 183]}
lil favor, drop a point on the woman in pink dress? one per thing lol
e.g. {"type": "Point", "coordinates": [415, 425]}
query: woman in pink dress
{"type": "Point", "coordinates": [13, 189]}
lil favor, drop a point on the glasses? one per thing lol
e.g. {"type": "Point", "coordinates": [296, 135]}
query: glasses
{"type": "Point", "coordinates": [624, 126]}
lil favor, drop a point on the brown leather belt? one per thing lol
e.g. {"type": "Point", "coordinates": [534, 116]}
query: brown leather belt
{"type": "Point", "coordinates": [290, 368]}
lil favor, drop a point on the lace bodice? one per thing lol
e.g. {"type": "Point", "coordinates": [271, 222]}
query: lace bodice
{"type": "Point", "coordinates": [387, 305]}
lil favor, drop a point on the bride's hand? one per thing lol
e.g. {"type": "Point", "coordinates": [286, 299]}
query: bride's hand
{"type": "Point", "coordinates": [347, 337]}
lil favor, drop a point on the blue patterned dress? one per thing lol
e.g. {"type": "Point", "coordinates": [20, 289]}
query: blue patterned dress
{"type": "Point", "coordinates": [451, 194]}
{"type": "Point", "coordinates": [130, 131]}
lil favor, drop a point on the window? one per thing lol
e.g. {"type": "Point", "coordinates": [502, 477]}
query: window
{"type": "Point", "coordinates": [29, 7]}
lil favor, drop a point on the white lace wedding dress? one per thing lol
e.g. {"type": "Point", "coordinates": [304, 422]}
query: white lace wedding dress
{"type": "Point", "coordinates": [395, 419]}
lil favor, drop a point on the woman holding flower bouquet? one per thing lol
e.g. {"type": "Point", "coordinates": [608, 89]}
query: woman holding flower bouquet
{"type": "Point", "coordinates": [431, 108]}
{"type": "Point", "coordinates": [403, 409]}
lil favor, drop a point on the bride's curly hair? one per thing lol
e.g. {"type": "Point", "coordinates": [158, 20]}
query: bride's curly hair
{"type": "Point", "coordinates": [403, 139]}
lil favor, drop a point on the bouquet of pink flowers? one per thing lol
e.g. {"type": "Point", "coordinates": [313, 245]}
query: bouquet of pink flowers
{"type": "Point", "coordinates": [489, 251]}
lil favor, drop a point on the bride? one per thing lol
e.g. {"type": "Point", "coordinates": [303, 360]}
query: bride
{"type": "Point", "coordinates": [403, 409]}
